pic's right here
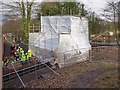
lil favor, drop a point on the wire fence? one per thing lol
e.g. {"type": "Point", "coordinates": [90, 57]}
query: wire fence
{"type": "Point", "coordinates": [105, 53]}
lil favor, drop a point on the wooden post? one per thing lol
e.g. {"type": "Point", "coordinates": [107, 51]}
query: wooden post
{"type": "Point", "coordinates": [1, 55]}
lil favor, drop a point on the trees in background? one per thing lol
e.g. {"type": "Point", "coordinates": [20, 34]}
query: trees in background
{"type": "Point", "coordinates": [96, 24]}
{"type": "Point", "coordinates": [49, 8]}
{"type": "Point", "coordinates": [60, 8]}
{"type": "Point", "coordinates": [20, 10]}
{"type": "Point", "coordinates": [13, 26]}
{"type": "Point", "coordinates": [112, 13]}
{"type": "Point", "coordinates": [70, 8]}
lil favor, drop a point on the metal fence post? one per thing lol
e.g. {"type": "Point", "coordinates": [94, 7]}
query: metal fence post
{"type": "Point", "coordinates": [18, 75]}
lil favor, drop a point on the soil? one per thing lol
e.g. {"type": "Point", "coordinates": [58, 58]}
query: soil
{"type": "Point", "coordinates": [88, 80]}
{"type": "Point", "coordinates": [84, 74]}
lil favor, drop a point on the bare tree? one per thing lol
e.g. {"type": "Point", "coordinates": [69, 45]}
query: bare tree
{"type": "Point", "coordinates": [112, 13]}
{"type": "Point", "coordinates": [22, 10]}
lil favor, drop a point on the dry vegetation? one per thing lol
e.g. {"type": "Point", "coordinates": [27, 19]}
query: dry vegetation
{"type": "Point", "coordinates": [109, 80]}
{"type": "Point", "coordinates": [91, 74]}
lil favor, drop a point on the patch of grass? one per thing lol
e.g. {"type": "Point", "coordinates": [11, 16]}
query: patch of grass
{"type": "Point", "coordinates": [109, 80]}
{"type": "Point", "coordinates": [111, 64]}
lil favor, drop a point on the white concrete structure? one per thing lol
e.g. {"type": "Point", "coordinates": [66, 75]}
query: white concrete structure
{"type": "Point", "coordinates": [62, 34]}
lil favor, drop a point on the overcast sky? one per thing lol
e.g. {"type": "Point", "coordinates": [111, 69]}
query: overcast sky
{"type": "Point", "coordinates": [95, 5]}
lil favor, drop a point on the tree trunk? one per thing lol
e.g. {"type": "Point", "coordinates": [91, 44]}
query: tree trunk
{"type": "Point", "coordinates": [26, 11]}
{"type": "Point", "coordinates": [24, 19]}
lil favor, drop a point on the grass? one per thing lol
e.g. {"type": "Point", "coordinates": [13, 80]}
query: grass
{"type": "Point", "coordinates": [111, 64]}
{"type": "Point", "coordinates": [109, 80]}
